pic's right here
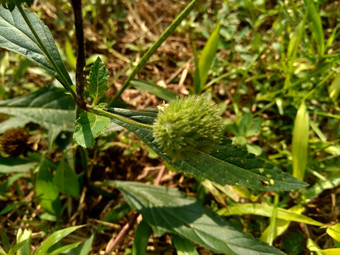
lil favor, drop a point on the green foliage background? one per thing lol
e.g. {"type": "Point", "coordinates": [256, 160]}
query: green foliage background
{"type": "Point", "coordinates": [272, 67]}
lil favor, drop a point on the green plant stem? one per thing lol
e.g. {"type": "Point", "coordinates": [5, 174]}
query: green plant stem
{"type": "Point", "coordinates": [154, 47]}
{"type": "Point", "coordinates": [65, 83]}
{"type": "Point", "coordinates": [80, 81]}
{"type": "Point", "coordinates": [111, 115]}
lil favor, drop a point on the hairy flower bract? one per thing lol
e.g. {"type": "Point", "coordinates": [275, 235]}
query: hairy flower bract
{"type": "Point", "coordinates": [187, 126]}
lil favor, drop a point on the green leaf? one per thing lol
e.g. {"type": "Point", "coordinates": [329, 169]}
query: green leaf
{"type": "Point", "coordinates": [66, 180]}
{"type": "Point", "coordinates": [207, 56]}
{"type": "Point", "coordinates": [281, 225]}
{"type": "Point", "coordinates": [16, 165]}
{"type": "Point", "coordinates": [117, 213]}
{"type": "Point", "coordinates": [4, 241]}
{"type": "Point", "coordinates": [13, 122]}
{"type": "Point", "coordinates": [88, 127]}
{"type": "Point", "coordinates": [72, 60]}
{"type": "Point", "coordinates": [54, 238]}
{"type": "Point", "coordinates": [11, 207]}
{"type": "Point", "coordinates": [300, 142]}
{"type": "Point", "coordinates": [227, 164]}
{"type": "Point", "coordinates": [272, 228]}
{"type": "Point", "coordinates": [141, 240]}
{"type": "Point", "coordinates": [267, 211]}
{"type": "Point", "coordinates": [16, 247]}
{"type": "Point", "coordinates": [97, 80]}
{"type": "Point", "coordinates": [64, 249]}
{"type": "Point", "coordinates": [168, 210]}
{"type": "Point", "coordinates": [312, 246]}
{"type": "Point", "coordinates": [332, 251]}
{"type": "Point", "coordinates": [183, 246]}
{"type": "Point", "coordinates": [334, 231]}
{"type": "Point", "coordinates": [315, 25]}
{"type": "Point", "coordinates": [46, 191]}
{"type": "Point", "coordinates": [24, 236]}
{"type": "Point", "coordinates": [334, 89]}
{"type": "Point", "coordinates": [9, 181]}
{"type": "Point", "coordinates": [49, 107]}
{"type": "Point", "coordinates": [331, 182]}
{"type": "Point", "coordinates": [15, 35]}
{"type": "Point", "coordinates": [83, 249]}
{"type": "Point", "coordinates": [294, 43]}
{"type": "Point", "coordinates": [153, 89]}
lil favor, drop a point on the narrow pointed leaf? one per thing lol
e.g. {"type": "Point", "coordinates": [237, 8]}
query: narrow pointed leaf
{"type": "Point", "coordinates": [331, 182]}
{"type": "Point", "coordinates": [88, 127]}
{"type": "Point", "coordinates": [16, 36]}
{"type": "Point", "coordinates": [97, 80]}
{"type": "Point", "coordinates": [334, 231]}
{"type": "Point", "coordinates": [312, 246]}
{"type": "Point", "coordinates": [281, 225]}
{"type": "Point", "coordinates": [315, 26]}
{"type": "Point", "coordinates": [54, 238]}
{"type": "Point", "coordinates": [83, 249]}
{"type": "Point", "coordinates": [141, 239]}
{"type": "Point", "coordinates": [226, 164]}
{"type": "Point", "coordinates": [334, 89]}
{"type": "Point", "coordinates": [64, 249]}
{"type": "Point", "coordinates": [154, 89]}
{"type": "Point", "coordinates": [294, 43]}
{"type": "Point", "coordinates": [24, 236]}
{"type": "Point", "coordinates": [300, 142]}
{"type": "Point", "coordinates": [332, 251]}
{"type": "Point", "coordinates": [161, 208]}
{"type": "Point", "coordinates": [267, 211]}
{"type": "Point", "coordinates": [207, 56]}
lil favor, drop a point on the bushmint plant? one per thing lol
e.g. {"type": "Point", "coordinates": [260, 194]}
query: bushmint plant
{"type": "Point", "coordinates": [184, 132]}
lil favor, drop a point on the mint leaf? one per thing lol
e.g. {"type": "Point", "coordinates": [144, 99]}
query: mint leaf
{"type": "Point", "coordinates": [88, 127]}
{"type": "Point", "coordinates": [161, 207]}
{"type": "Point", "coordinates": [49, 107]}
{"type": "Point", "coordinates": [226, 164]}
{"type": "Point", "coordinates": [97, 80]}
{"type": "Point", "coordinates": [16, 36]}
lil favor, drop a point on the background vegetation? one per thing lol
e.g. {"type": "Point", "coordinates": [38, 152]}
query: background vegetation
{"type": "Point", "coordinates": [271, 66]}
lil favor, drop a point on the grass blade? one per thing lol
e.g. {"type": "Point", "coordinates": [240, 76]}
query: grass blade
{"type": "Point", "coordinates": [315, 26]}
{"type": "Point", "coordinates": [54, 238]}
{"type": "Point", "coordinates": [141, 241]}
{"type": "Point", "coordinates": [300, 142]}
{"type": "Point", "coordinates": [334, 89]}
{"type": "Point", "coordinates": [207, 57]}
{"type": "Point", "coordinates": [154, 89]}
{"type": "Point", "coordinates": [267, 211]}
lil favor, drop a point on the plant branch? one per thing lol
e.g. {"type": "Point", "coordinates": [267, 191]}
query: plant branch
{"type": "Point", "coordinates": [154, 47]}
{"type": "Point", "coordinates": [111, 115]}
{"type": "Point", "coordinates": [80, 79]}
{"type": "Point", "coordinates": [64, 81]}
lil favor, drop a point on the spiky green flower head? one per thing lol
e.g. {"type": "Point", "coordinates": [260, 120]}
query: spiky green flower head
{"type": "Point", "coordinates": [188, 125]}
